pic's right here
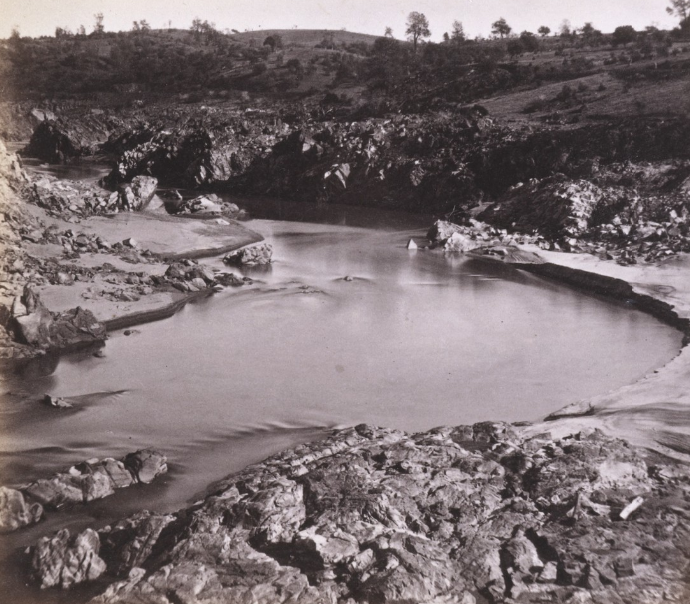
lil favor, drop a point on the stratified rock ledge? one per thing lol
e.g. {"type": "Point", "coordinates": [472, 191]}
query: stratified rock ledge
{"type": "Point", "coordinates": [466, 514]}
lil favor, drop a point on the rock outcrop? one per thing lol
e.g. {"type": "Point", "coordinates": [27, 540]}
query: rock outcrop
{"type": "Point", "coordinates": [96, 479]}
{"type": "Point", "coordinates": [69, 198]}
{"type": "Point", "coordinates": [454, 515]}
{"type": "Point", "coordinates": [471, 236]}
{"type": "Point", "coordinates": [54, 142]}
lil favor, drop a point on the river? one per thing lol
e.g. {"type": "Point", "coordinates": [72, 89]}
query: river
{"type": "Point", "coordinates": [411, 340]}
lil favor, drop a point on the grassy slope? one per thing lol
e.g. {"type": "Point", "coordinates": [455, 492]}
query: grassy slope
{"type": "Point", "coordinates": [303, 37]}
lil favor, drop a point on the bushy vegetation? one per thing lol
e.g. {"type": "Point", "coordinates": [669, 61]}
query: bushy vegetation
{"type": "Point", "coordinates": [203, 59]}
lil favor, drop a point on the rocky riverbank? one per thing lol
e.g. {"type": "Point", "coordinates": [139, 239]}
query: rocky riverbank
{"type": "Point", "coordinates": [79, 260]}
{"type": "Point", "coordinates": [465, 514]}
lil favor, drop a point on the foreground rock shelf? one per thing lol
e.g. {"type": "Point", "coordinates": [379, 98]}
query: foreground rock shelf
{"type": "Point", "coordinates": [464, 514]}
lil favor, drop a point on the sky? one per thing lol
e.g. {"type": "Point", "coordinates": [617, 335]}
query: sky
{"type": "Point", "coordinates": [41, 17]}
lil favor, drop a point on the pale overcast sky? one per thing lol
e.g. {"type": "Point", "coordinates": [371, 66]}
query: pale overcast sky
{"type": "Point", "coordinates": [40, 17]}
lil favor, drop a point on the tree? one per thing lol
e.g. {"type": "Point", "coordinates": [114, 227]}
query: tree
{"type": "Point", "coordinates": [680, 8]}
{"type": "Point", "coordinates": [197, 28]}
{"type": "Point", "coordinates": [201, 28]}
{"type": "Point", "coordinates": [515, 48]}
{"type": "Point", "coordinates": [81, 30]}
{"type": "Point", "coordinates": [98, 27]}
{"type": "Point", "coordinates": [388, 33]}
{"type": "Point", "coordinates": [501, 28]}
{"type": "Point", "coordinates": [565, 29]}
{"type": "Point", "coordinates": [591, 35]}
{"type": "Point", "coordinates": [457, 34]}
{"type": "Point", "coordinates": [623, 35]}
{"type": "Point", "coordinates": [274, 41]}
{"type": "Point", "coordinates": [529, 42]}
{"type": "Point", "coordinates": [588, 30]}
{"type": "Point", "coordinates": [544, 31]}
{"type": "Point", "coordinates": [417, 27]}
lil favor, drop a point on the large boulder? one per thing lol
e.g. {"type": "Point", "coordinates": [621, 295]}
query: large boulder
{"type": "Point", "coordinates": [15, 512]}
{"type": "Point", "coordinates": [458, 242]}
{"type": "Point", "coordinates": [146, 464]}
{"type": "Point", "coordinates": [35, 325]}
{"type": "Point", "coordinates": [441, 231]}
{"type": "Point", "coordinates": [251, 256]}
{"type": "Point", "coordinates": [209, 204]}
{"type": "Point", "coordinates": [137, 195]}
{"type": "Point", "coordinates": [32, 320]}
{"type": "Point", "coordinates": [64, 561]}
{"type": "Point", "coordinates": [75, 328]}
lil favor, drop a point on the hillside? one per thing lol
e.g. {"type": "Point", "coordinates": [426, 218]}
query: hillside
{"type": "Point", "coordinates": [206, 65]}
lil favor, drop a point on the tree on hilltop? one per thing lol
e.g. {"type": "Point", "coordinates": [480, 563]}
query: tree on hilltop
{"type": "Point", "coordinates": [388, 33]}
{"type": "Point", "coordinates": [624, 35]}
{"type": "Point", "coordinates": [204, 29]}
{"type": "Point", "coordinates": [529, 42]}
{"type": "Point", "coordinates": [98, 27]}
{"type": "Point", "coordinates": [457, 34]}
{"type": "Point", "coordinates": [417, 27]}
{"type": "Point", "coordinates": [142, 25]}
{"type": "Point", "coordinates": [544, 31]}
{"type": "Point", "coordinates": [501, 28]}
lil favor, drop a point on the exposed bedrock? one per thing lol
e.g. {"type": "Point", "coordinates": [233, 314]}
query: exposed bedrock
{"type": "Point", "coordinates": [430, 163]}
{"type": "Point", "coordinates": [377, 515]}
{"type": "Point", "coordinates": [190, 155]}
{"type": "Point", "coordinates": [58, 139]}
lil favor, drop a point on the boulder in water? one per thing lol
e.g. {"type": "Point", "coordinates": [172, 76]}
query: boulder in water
{"type": "Point", "coordinates": [146, 464]}
{"type": "Point", "coordinates": [15, 512]}
{"type": "Point", "coordinates": [251, 256]}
